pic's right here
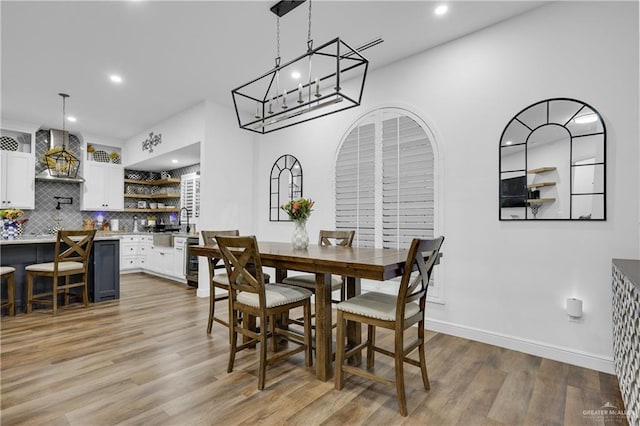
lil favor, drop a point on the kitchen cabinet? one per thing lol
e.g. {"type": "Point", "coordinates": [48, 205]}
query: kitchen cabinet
{"type": "Point", "coordinates": [17, 180]}
{"type": "Point", "coordinates": [101, 189]}
{"type": "Point", "coordinates": [179, 256]}
{"type": "Point", "coordinates": [133, 187]}
{"type": "Point", "coordinates": [161, 260]}
{"type": "Point", "coordinates": [134, 252]}
{"type": "Point", "coordinates": [104, 267]}
{"type": "Point", "coordinates": [103, 278]}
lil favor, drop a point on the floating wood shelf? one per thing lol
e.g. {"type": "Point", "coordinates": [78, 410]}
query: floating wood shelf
{"type": "Point", "coordinates": [540, 184]}
{"type": "Point", "coordinates": [540, 170]}
{"type": "Point", "coordinates": [541, 200]}
{"type": "Point", "coordinates": [154, 182]}
{"type": "Point", "coordinates": [152, 196]}
{"type": "Point", "coordinates": [165, 210]}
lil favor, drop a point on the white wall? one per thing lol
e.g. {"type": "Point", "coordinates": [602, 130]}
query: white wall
{"type": "Point", "coordinates": [226, 178]}
{"type": "Point", "coordinates": [185, 128]}
{"type": "Point", "coordinates": [506, 282]}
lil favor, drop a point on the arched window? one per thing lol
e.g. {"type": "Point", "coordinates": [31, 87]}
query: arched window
{"type": "Point", "coordinates": [384, 183]}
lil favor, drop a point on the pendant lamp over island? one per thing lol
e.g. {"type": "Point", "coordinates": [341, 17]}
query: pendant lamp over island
{"type": "Point", "coordinates": [61, 162]}
{"type": "Point", "coordinates": [276, 100]}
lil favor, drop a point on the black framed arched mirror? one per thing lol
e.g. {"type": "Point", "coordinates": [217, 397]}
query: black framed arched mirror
{"type": "Point", "coordinates": [553, 163]}
{"type": "Point", "coordinates": [285, 185]}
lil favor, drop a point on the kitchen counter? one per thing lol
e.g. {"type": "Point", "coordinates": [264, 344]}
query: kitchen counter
{"type": "Point", "coordinates": [41, 239]}
{"type": "Point", "coordinates": [104, 265]}
{"type": "Point", "coordinates": [100, 236]}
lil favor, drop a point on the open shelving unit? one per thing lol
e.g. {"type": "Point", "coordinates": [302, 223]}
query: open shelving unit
{"type": "Point", "coordinates": [157, 182]}
{"type": "Point", "coordinates": [540, 185]}
{"type": "Point", "coordinates": [541, 170]}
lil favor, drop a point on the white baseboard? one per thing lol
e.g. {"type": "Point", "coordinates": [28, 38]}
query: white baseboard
{"type": "Point", "coordinates": [545, 350]}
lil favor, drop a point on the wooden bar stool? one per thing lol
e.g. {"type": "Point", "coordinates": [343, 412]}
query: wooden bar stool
{"type": "Point", "coordinates": [71, 258]}
{"type": "Point", "coordinates": [7, 274]}
{"type": "Point", "coordinates": [397, 313]}
{"type": "Point", "coordinates": [249, 295]}
{"type": "Point", "coordinates": [216, 280]}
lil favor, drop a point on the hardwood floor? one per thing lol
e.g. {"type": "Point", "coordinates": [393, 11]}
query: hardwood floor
{"type": "Point", "coordinates": [147, 359]}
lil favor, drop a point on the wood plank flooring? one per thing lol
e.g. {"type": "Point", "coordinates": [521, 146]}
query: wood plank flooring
{"type": "Point", "coordinates": [147, 359]}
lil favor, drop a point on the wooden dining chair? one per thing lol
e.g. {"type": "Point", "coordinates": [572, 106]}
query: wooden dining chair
{"type": "Point", "coordinates": [7, 274]}
{"type": "Point", "coordinates": [250, 296]}
{"type": "Point", "coordinates": [71, 258]}
{"type": "Point", "coordinates": [216, 279]}
{"type": "Point", "coordinates": [308, 281]}
{"type": "Point", "coordinates": [396, 313]}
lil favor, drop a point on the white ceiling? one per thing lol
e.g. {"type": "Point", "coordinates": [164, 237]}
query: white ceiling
{"type": "Point", "coordinates": [174, 54]}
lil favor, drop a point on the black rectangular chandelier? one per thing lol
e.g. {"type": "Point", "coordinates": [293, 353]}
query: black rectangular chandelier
{"type": "Point", "coordinates": [303, 89]}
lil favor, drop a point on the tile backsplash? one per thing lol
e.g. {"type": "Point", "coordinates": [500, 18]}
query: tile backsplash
{"type": "Point", "coordinates": [45, 215]}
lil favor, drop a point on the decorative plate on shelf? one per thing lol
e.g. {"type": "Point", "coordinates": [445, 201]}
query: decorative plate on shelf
{"type": "Point", "coordinates": [101, 156]}
{"type": "Point", "coordinates": [8, 143]}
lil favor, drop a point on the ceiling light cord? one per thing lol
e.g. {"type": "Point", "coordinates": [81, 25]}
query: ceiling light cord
{"type": "Point", "coordinates": [309, 40]}
{"type": "Point", "coordinates": [277, 41]}
{"type": "Point", "coordinates": [64, 115]}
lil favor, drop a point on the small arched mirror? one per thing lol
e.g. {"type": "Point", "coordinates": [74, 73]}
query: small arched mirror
{"type": "Point", "coordinates": [286, 185]}
{"type": "Point", "coordinates": [552, 163]}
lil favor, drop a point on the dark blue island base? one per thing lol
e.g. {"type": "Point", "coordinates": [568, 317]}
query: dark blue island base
{"type": "Point", "coordinates": [104, 268]}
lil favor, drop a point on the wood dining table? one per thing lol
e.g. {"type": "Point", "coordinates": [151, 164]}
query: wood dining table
{"type": "Point", "coordinates": [355, 263]}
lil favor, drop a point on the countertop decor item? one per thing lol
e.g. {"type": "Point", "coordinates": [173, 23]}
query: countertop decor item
{"type": "Point", "coordinates": [268, 102]}
{"type": "Point", "coordinates": [13, 222]}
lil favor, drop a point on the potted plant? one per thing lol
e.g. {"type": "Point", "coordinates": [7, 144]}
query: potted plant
{"type": "Point", "coordinates": [13, 221]}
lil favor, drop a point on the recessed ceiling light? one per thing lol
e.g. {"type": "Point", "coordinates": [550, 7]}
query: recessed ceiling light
{"type": "Point", "coordinates": [441, 10]}
{"type": "Point", "coordinates": [295, 74]}
{"type": "Point", "coordinates": [508, 142]}
{"type": "Point", "coordinates": [71, 118]}
{"type": "Point", "coordinates": [115, 78]}
{"type": "Point", "coordinates": [174, 161]}
{"type": "Point", "coordinates": [584, 119]}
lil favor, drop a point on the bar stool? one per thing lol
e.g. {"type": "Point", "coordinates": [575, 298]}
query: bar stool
{"type": "Point", "coordinates": [72, 260]}
{"type": "Point", "coordinates": [8, 273]}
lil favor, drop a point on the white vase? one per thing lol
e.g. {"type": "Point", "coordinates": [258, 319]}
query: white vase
{"type": "Point", "coordinates": [300, 238]}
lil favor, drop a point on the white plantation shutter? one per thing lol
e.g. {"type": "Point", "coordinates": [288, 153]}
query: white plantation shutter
{"type": "Point", "coordinates": [355, 185]}
{"type": "Point", "coordinates": [385, 186]}
{"type": "Point", "coordinates": [190, 195]}
{"type": "Point", "coordinates": [407, 183]}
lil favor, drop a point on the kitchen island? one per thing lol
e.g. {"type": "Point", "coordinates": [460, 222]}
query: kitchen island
{"type": "Point", "coordinates": [104, 264]}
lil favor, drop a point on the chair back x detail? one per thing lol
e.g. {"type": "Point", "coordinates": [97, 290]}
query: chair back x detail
{"type": "Point", "coordinates": [71, 257]}
{"type": "Point", "coordinates": [219, 280]}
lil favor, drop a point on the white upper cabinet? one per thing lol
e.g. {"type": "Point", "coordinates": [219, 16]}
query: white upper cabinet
{"type": "Point", "coordinates": [18, 180]}
{"type": "Point", "coordinates": [17, 170]}
{"type": "Point", "coordinates": [102, 189]}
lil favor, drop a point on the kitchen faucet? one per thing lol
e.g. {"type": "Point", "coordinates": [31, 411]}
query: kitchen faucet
{"type": "Point", "coordinates": [180, 215]}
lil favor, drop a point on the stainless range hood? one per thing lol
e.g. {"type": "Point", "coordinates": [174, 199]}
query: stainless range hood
{"type": "Point", "coordinates": [58, 138]}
